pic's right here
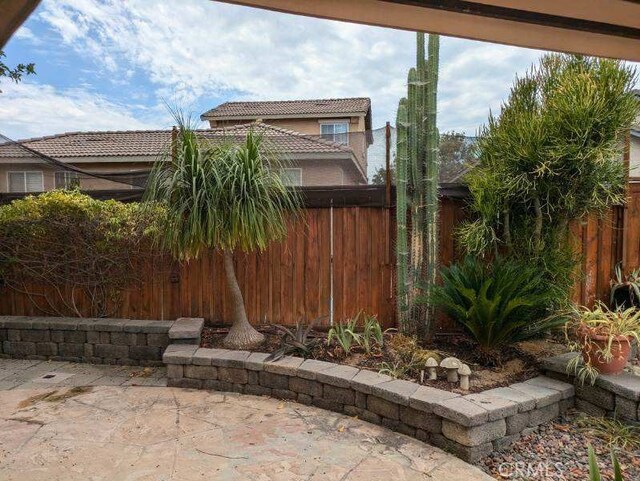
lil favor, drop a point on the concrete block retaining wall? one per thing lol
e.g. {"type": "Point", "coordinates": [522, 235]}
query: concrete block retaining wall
{"type": "Point", "coordinates": [610, 395]}
{"type": "Point", "coordinates": [470, 426]}
{"type": "Point", "coordinates": [98, 341]}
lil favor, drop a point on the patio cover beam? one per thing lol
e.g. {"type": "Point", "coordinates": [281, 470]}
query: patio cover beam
{"type": "Point", "coordinates": [13, 13]}
{"type": "Point", "coordinates": [605, 28]}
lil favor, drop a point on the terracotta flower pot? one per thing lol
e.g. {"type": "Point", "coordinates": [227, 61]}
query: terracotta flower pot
{"type": "Point", "coordinates": [593, 344]}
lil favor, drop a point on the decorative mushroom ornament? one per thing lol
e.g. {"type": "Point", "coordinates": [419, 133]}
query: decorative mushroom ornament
{"type": "Point", "coordinates": [464, 372]}
{"type": "Point", "coordinates": [431, 365]}
{"type": "Point", "coordinates": [451, 364]}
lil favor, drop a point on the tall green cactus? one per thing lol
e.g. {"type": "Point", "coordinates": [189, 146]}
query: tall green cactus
{"type": "Point", "coordinates": [432, 177]}
{"type": "Point", "coordinates": [402, 252]}
{"type": "Point", "coordinates": [418, 146]}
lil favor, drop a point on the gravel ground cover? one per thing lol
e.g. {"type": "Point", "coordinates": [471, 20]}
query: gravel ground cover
{"type": "Point", "coordinates": [558, 451]}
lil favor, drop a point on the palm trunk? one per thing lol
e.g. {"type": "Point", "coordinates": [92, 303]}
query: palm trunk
{"type": "Point", "coordinates": [242, 335]}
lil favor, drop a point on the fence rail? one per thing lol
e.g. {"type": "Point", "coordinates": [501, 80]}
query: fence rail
{"type": "Point", "coordinates": [295, 279]}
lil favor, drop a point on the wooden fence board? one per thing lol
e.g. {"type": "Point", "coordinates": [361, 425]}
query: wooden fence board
{"type": "Point", "coordinates": [291, 279]}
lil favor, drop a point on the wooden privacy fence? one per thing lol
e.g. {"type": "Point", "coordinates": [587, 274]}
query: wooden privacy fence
{"type": "Point", "coordinates": [343, 246]}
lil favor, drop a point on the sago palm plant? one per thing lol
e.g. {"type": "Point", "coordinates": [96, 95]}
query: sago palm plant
{"type": "Point", "coordinates": [226, 196]}
{"type": "Point", "coordinates": [497, 304]}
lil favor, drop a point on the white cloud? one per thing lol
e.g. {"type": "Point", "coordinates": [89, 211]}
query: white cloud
{"type": "Point", "coordinates": [25, 33]}
{"type": "Point", "coordinates": [200, 49]}
{"type": "Point", "coordinates": [31, 110]}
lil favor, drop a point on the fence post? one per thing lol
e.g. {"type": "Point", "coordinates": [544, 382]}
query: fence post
{"type": "Point", "coordinates": [388, 163]}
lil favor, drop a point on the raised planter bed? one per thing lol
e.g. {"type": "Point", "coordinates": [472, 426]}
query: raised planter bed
{"type": "Point", "coordinates": [98, 341]}
{"type": "Point", "coordinates": [610, 395]}
{"type": "Point", "coordinates": [470, 426]}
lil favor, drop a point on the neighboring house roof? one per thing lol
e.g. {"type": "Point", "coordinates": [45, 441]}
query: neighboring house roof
{"type": "Point", "coordinates": [94, 146]}
{"type": "Point", "coordinates": [290, 108]}
{"type": "Point", "coordinates": [155, 142]}
{"type": "Point", "coordinates": [325, 108]}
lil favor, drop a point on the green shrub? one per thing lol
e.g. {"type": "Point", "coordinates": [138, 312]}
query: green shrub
{"type": "Point", "coordinates": [549, 158]}
{"type": "Point", "coordinates": [85, 251]}
{"type": "Point", "coordinates": [499, 303]}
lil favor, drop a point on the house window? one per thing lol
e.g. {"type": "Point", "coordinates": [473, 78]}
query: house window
{"type": "Point", "coordinates": [335, 131]}
{"type": "Point", "coordinates": [26, 182]}
{"type": "Point", "coordinates": [291, 177]}
{"type": "Point", "coordinates": [67, 180]}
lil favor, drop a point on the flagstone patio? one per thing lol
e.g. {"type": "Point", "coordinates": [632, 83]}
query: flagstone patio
{"type": "Point", "coordinates": [56, 430]}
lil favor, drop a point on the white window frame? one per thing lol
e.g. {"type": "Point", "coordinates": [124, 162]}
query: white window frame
{"type": "Point", "coordinates": [282, 171]}
{"type": "Point", "coordinates": [65, 172]}
{"type": "Point", "coordinates": [24, 174]}
{"type": "Point", "coordinates": [334, 135]}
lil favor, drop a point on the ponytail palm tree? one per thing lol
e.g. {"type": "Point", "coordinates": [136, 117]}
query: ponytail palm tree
{"type": "Point", "coordinates": [225, 196]}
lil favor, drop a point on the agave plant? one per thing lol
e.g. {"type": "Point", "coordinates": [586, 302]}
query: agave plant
{"type": "Point", "coordinates": [630, 282]}
{"type": "Point", "coordinates": [296, 341]}
{"type": "Point", "coordinates": [497, 304]}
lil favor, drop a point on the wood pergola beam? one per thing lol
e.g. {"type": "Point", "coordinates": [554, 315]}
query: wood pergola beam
{"type": "Point", "coordinates": [605, 28]}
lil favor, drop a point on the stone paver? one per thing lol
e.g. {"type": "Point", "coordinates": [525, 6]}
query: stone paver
{"type": "Point", "coordinates": [111, 432]}
{"type": "Point", "coordinates": [27, 374]}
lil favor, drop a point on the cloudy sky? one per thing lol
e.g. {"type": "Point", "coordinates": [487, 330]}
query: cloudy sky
{"type": "Point", "coordinates": [110, 64]}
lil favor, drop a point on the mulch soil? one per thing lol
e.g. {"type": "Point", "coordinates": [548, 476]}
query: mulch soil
{"type": "Point", "coordinates": [514, 364]}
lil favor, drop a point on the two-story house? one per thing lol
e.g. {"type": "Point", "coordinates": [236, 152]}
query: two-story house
{"type": "Point", "coordinates": [324, 142]}
{"type": "Point", "coordinates": [345, 121]}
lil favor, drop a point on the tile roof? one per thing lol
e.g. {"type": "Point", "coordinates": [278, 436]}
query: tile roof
{"type": "Point", "coordinates": [155, 142]}
{"type": "Point", "coordinates": [288, 108]}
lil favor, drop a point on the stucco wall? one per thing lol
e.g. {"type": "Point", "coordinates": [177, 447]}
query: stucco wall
{"type": "Point", "coordinates": [311, 126]}
{"type": "Point", "coordinates": [634, 158]}
{"type": "Point", "coordinates": [314, 173]}
{"type": "Point", "coordinates": [86, 183]}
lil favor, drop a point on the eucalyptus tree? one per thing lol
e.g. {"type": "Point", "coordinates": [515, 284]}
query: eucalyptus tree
{"type": "Point", "coordinates": [227, 196]}
{"type": "Point", "coordinates": [552, 155]}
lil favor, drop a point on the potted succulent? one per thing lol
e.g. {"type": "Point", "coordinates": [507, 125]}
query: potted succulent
{"type": "Point", "coordinates": [604, 337]}
{"type": "Point", "coordinates": [625, 290]}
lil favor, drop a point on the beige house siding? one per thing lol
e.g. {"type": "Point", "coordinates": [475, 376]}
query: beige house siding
{"type": "Point", "coordinates": [311, 126]}
{"type": "Point", "coordinates": [634, 157]}
{"type": "Point", "coordinates": [318, 172]}
{"type": "Point", "coordinates": [86, 183]}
